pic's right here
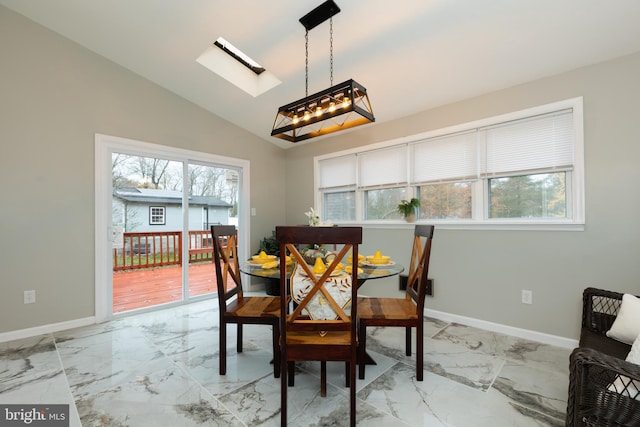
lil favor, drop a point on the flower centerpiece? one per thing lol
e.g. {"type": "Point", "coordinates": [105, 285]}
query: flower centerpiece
{"type": "Point", "coordinates": [311, 252]}
{"type": "Point", "coordinates": [314, 218]}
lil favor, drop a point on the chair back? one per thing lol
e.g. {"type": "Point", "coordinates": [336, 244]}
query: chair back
{"type": "Point", "coordinates": [290, 239]}
{"type": "Point", "coordinates": [225, 258]}
{"type": "Point", "coordinates": [319, 328]}
{"type": "Point", "coordinates": [419, 265]}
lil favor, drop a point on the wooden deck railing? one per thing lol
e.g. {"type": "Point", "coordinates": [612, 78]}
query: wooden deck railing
{"type": "Point", "coordinates": [162, 248]}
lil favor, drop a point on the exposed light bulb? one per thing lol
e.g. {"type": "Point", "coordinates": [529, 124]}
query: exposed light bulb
{"type": "Point", "coordinates": [295, 119]}
{"type": "Point", "coordinates": [307, 116]}
{"type": "Point", "coordinates": [332, 107]}
{"type": "Point", "coordinates": [318, 111]}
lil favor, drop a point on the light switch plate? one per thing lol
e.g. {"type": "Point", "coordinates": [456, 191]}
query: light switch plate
{"type": "Point", "coordinates": [29, 297]}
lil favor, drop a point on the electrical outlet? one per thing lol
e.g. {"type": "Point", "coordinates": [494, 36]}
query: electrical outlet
{"type": "Point", "coordinates": [29, 297]}
{"type": "Point", "coordinates": [527, 297]}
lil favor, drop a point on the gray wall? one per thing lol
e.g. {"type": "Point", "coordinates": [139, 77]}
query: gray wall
{"type": "Point", "coordinates": [54, 96]}
{"type": "Point", "coordinates": [480, 274]}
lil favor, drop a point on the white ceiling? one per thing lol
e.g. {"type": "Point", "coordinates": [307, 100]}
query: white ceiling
{"type": "Point", "coordinates": [411, 55]}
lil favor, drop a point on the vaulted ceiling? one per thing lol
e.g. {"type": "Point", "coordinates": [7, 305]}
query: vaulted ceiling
{"type": "Point", "coordinates": [411, 55]}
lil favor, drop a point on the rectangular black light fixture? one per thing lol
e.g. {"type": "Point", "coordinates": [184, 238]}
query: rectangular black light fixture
{"type": "Point", "coordinates": [339, 107]}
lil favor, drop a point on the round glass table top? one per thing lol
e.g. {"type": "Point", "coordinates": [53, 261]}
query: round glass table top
{"type": "Point", "coordinates": [369, 271]}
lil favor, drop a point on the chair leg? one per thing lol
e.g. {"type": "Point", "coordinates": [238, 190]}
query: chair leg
{"type": "Point", "coordinates": [223, 347]}
{"type": "Point", "coordinates": [362, 348]}
{"type": "Point", "coordinates": [283, 391]}
{"type": "Point", "coordinates": [420, 350]}
{"type": "Point", "coordinates": [276, 350]}
{"type": "Point", "coordinates": [291, 366]}
{"type": "Point", "coordinates": [408, 340]}
{"type": "Point", "coordinates": [239, 343]}
{"type": "Point", "coordinates": [323, 378]}
{"type": "Point", "coordinates": [352, 389]}
{"type": "Point", "coordinates": [347, 374]}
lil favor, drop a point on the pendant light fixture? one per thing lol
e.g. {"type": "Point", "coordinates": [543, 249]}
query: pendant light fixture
{"type": "Point", "coordinates": [339, 107]}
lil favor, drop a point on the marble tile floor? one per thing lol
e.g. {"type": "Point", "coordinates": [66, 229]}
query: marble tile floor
{"type": "Point", "coordinates": [161, 369]}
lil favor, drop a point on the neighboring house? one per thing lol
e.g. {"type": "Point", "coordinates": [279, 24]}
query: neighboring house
{"type": "Point", "coordinates": [143, 209]}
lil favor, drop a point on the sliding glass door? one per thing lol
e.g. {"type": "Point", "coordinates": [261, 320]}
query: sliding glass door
{"type": "Point", "coordinates": [213, 192]}
{"type": "Point", "coordinates": [160, 207]}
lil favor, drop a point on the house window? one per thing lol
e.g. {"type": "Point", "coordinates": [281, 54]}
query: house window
{"type": "Point", "coordinates": [523, 168]}
{"type": "Point", "coordinates": [157, 215]}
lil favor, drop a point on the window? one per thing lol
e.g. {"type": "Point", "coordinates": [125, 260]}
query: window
{"type": "Point", "coordinates": [445, 201]}
{"type": "Point", "coordinates": [520, 168]}
{"type": "Point", "coordinates": [337, 183]}
{"type": "Point", "coordinates": [156, 215]}
{"type": "Point", "coordinates": [382, 203]}
{"type": "Point", "coordinates": [340, 205]}
{"type": "Point", "coordinates": [528, 196]}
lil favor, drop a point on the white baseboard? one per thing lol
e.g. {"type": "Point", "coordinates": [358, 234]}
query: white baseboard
{"type": "Point", "coordinates": [46, 329]}
{"type": "Point", "coordinates": [447, 317]}
{"type": "Point", "coordinates": [504, 329]}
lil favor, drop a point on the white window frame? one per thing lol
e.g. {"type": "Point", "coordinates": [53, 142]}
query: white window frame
{"type": "Point", "coordinates": [575, 178]}
{"type": "Point", "coordinates": [162, 217]}
{"type": "Point", "coordinates": [104, 146]}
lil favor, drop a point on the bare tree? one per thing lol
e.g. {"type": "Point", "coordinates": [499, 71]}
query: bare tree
{"type": "Point", "coordinates": [145, 172]}
{"type": "Point", "coordinates": [152, 171]}
{"type": "Point", "coordinates": [119, 178]}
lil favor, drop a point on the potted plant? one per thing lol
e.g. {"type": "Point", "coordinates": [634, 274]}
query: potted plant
{"type": "Point", "coordinates": [269, 245]}
{"type": "Point", "coordinates": [408, 209]}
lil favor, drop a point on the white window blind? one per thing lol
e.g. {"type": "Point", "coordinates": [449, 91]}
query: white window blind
{"type": "Point", "coordinates": [383, 167]}
{"type": "Point", "coordinates": [536, 143]}
{"type": "Point", "coordinates": [446, 158]}
{"type": "Point", "coordinates": [338, 172]}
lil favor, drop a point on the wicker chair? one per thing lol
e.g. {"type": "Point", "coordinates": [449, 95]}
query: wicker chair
{"type": "Point", "coordinates": [600, 380]}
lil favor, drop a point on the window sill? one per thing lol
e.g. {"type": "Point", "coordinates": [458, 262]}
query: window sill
{"type": "Point", "coordinates": [487, 225]}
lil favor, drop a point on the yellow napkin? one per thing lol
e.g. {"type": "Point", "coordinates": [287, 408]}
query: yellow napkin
{"type": "Point", "coordinates": [347, 270]}
{"type": "Point", "coordinates": [319, 266]}
{"type": "Point", "coordinates": [360, 258]}
{"type": "Point", "coordinates": [270, 264]}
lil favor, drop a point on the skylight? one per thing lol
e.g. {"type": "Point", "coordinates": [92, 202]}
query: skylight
{"type": "Point", "coordinates": [238, 68]}
{"type": "Point", "coordinates": [239, 55]}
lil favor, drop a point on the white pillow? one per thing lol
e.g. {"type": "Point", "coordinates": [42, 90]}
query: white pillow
{"type": "Point", "coordinates": [634, 354]}
{"type": "Point", "coordinates": [621, 381]}
{"type": "Point", "coordinates": [626, 327]}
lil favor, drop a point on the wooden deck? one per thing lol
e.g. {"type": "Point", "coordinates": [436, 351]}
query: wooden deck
{"type": "Point", "coordinates": [145, 288]}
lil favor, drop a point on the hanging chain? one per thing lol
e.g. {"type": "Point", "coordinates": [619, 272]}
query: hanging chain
{"type": "Point", "coordinates": [306, 64]}
{"type": "Point", "coordinates": [331, 49]}
{"type": "Point", "coordinates": [306, 58]}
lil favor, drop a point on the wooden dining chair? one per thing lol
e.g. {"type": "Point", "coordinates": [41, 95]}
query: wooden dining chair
{"type": "Point", "coordinates": [310, 330]}
{"type": "Point", "coordinates": [405, 312]}
{"type": "Point", "coordinates": [234, 306]}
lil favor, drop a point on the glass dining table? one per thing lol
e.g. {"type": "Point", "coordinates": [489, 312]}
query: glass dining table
{"type": "Point", "coordinates": [369, 272]}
